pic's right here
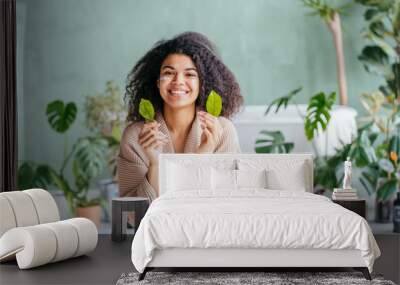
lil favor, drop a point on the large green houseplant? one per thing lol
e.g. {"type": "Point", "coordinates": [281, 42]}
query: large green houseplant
{"type": "Point", "coordinates": [381, 57]}
{"type": "Point", "coordinates": [105, 117]}
{"type": "Point", "coordinates": [375, 151]}
{"type": "Point", "coordinates": [86, 157]}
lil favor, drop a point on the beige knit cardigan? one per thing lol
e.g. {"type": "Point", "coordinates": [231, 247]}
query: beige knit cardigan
{"type": "Point", "coordinates": [133, 163]}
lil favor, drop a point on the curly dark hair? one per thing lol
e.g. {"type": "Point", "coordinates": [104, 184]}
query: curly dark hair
{"type": "Point", "coordinates": [213, 75]}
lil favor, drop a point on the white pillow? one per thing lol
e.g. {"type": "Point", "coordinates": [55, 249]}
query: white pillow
{"type": "Point", "coordinates": [188, 177]}
{"type": "Point", "coordinates": [282, 174]}
{"type": "Point", "coordinates": [229, 179]}
{"type": "Point", "coordinates": [251, 178]}
{"type": "Point", "coordinates": [223, 179]}
{"type": "Point", "coordinates": [280, 180]}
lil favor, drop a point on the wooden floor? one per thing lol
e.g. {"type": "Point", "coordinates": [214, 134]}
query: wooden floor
{"type": "Point", "coordinates": [103, 266]}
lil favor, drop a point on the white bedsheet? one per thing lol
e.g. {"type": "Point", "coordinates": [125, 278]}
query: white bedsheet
{"type": "Point", "coordinates": [251, 218]}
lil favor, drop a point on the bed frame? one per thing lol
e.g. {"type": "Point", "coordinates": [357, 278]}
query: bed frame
{"type": "Point", "coordinates": [244, 259]}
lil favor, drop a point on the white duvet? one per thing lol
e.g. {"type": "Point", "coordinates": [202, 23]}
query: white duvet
{"type": "Point", "coordinates": [251, 218]}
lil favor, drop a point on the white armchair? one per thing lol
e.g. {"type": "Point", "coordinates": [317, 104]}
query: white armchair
{"type": "Point", "coordinates": [31, 232]}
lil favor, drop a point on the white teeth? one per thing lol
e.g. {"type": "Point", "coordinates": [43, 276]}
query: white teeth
{"type": "Point", "coordinates": [178, 93]}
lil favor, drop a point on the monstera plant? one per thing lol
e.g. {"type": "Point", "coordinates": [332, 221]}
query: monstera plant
{"type": "Point", "coordinates": [316, 120]}
{"type": "Point", "coordinates": [86, 157]}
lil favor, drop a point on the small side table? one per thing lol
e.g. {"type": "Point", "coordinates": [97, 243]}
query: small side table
{"type": "Point", "coordinates": [120, 207]}
{"type": "Point", "coordinates": [357, 206]}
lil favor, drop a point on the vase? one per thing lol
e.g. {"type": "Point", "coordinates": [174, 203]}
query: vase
{"type": "Point", "coordinates": [92, 213]}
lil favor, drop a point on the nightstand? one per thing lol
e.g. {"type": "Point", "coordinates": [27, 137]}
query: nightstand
{"type": "Point", "coordinates": [120, 208]}
{"type": "Point", "coordinates": [357, 206]}
{"type": "Point", "coordinates": [388, 263]}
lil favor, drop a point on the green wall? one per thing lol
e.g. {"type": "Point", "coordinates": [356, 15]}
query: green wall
{"type": "Point", "coordinates": [69, 48]}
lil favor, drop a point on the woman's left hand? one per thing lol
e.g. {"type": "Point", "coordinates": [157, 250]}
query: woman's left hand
{"type": "Point", "coordinates": [212, 131]}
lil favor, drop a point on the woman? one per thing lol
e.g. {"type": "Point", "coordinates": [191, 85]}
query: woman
{"type": "Point", "coordinates": [176, 76]}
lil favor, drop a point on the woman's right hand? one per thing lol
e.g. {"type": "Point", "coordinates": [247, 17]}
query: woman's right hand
{"type": "Point", "coordinates": [151, 139]}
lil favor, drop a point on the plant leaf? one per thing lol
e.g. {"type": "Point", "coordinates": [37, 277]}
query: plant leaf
{"type": "Point", "coordinates": [31, 175]}
{"type": "Point", "coordinates": [386, 165]}
{"type": "Point", "coordinates": [90, 158]}
{"type": "Point", "coordinates": [370, 14]}
{"type": "Point", "coordinates": [318, 116]}
{"type": "Point", "coordinates": [387, 189]}
{"type": "Point", "coordinates": [394, 145]}
{"type": "Point", "coordinates": [146, 110]}
{"type": "Point", "coordinates": [282, 101]}
{"type": "Point", "coordinates": [59, 116]}
{"type": "Point", "coordinates": [25, 176]}
{"type": "Point", "coordinates": [325, 173]}
{"type": "Point", "coordinates": [375, 60]}
{"type": "Point", "coordinates": [273, 143]}
{"type": "Point", "coordinates": [214, 104]}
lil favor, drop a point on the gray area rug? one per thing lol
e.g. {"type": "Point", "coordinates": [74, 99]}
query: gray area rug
{"type": "Point", "coordinates": [225, 278]}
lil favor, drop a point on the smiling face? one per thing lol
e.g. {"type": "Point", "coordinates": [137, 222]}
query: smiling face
{"type": "Point", "coordinates": [179, 81]}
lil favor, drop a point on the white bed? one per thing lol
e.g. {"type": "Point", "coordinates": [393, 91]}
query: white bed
{"type": "Point", "coordinates": [247, 210]}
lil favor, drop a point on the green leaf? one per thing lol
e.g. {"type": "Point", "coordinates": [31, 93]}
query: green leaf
{"type": "Point", "coordinates": [393, 80]}
{"type": "Point", "coordinates": [116, 132]}
{"type": "Point", "coordinates": [282, 101]}
{"type": "Point", "coordinates": [387, 189]}
{"type": "Point", "coordinates": [25, 176]}
{"type": "Point", "coordinates": [386, 165]}
{"type": "Point", "coordinates": [394, 145]}
{"type": "Point", "coordinates": [214, 104]}
{"type": "Point", "coordinates": [42, 176]}
{"type": "Point", "coordinates": [273, 143]}
{"type": "Point", "coordinates": [377, 28]}
{"type": "Point", "coordinates": [370, 14]}
{"type": "Point", "coordinates": [323, 10]}
{"type": "Point", "coordinates": [31, 175]}
{"type": "Point", "coordinates": [381, 5]}
{"type": "Point", "coordinates": [146, 110]}
{"type": "Point", "coordinates": [318, 116]}
{"type": "Point", "coordinates": [362, 151]}
{"type": "Point", "coordinates": [90, 158]}
{"type": "Point", "coordinates": [59, 116]}
{"type": "Point", "coordinates": [369, 178]}
{"type": "Point", "coordinates": [396, 20]}
{"type": "Point", "coordinates": [325, 172]}
{"type": "Point", "coordinates": [375, 60]}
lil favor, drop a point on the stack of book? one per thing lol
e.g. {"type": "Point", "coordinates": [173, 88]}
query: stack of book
{"type": "Point", "coordinates": [344, 194]}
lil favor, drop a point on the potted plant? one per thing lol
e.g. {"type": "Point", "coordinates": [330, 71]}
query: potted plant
{"type": "Point", "coordinates": [86, 158]}
{"type": "Point", "coordinates": [381, 57]}
{"type": "Point", "coordinates": [106, 117]}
